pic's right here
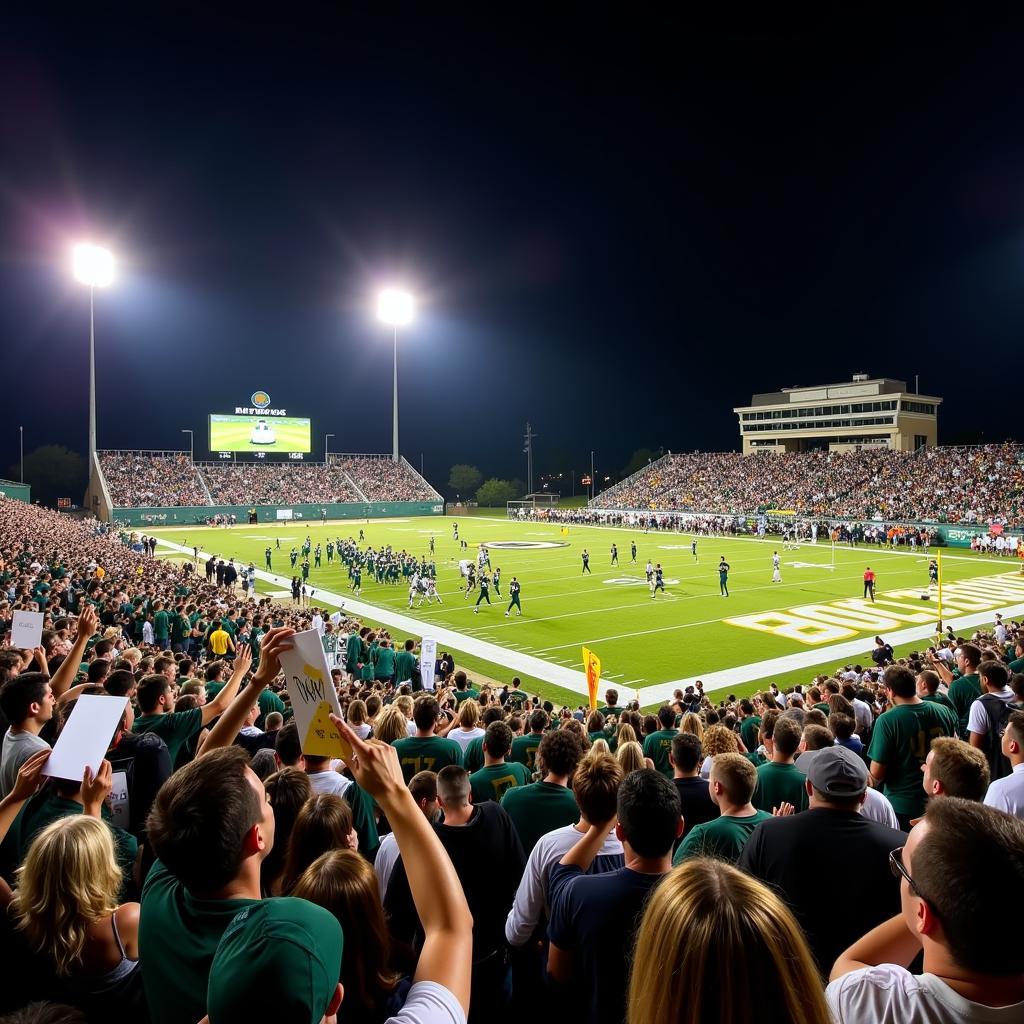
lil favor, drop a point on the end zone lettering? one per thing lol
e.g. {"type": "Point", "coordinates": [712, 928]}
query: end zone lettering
{"type": "Point", "coordinates": [244, 410]}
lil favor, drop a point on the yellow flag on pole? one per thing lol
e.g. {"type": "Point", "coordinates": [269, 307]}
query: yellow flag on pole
{"type": "Point", "coordinates": [592, 667]}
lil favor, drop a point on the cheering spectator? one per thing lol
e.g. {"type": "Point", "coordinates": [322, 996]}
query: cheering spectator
{"type": "Point", "coordinates": [786, 852]}
{"type": "Point", "coordinates": [973, 961]}
{"type": "Point", "coordinates": [1007, 793]}
{"type": "Point", "coordinates": [779, 780]}
{"type": "Point", "coordinates": [694, 792]}
{"type": "Point", "coordinates": [953, 768]}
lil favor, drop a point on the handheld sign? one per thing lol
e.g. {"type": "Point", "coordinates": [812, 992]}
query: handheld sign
{"type": "Point", "coordinates": [86, 736]}
{"type": "Point", "coordinates": [428, 658]}
{"type": "Point", "coordinates": [27, 630]}
{"type": "Point", "coordinates": [313, 696]}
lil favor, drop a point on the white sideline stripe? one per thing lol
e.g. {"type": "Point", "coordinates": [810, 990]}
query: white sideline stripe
{"type": "Point", "coordinates": [523, 663]}
{"type": "Point", "coordinates": [731, 677]}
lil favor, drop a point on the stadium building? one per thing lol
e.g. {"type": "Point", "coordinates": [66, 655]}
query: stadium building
{"type": "Point", "coordinates": [864, 413]}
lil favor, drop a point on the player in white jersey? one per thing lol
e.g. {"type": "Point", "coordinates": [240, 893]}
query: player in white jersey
{"type": "Point", "coordinates": [776, 568]}
{"type": "Point", "coordinates": [650, 573]}
{"type": "Point", "coordinates": [414, 586]}
{"type": "Point", "coordinates": [431, 586]}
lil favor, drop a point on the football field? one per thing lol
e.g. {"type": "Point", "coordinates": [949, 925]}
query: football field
{"type": "Point", "coordinates": [815, 620]}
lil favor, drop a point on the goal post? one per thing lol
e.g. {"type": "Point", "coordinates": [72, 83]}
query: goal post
{"type": "Point", "coordinates": [523, 507]}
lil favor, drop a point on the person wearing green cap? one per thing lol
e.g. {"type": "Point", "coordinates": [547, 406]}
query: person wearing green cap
{"type": "Point", "coordinates": [211, 826]}
{"type": "Point", "coordinates": [286, 950]}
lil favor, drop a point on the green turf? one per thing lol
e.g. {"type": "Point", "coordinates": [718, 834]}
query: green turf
{"type": "Point", "coordinates": [234, 434]}
{"type": "Point", "coordinates": [640, 641]}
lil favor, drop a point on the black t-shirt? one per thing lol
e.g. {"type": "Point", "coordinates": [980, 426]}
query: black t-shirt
{"type": "Point", "coordinates": [489, 860]}
{"type": "Point", "coordinates": [146, 761]}
{"type": "Point", "coordinates": [695, 797]}
{"type": "Point", "coordinates": [595, 918]}
{"type": "Point", "coordinates": [788, 854]}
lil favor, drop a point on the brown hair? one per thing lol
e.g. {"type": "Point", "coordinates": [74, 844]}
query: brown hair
{"type": "Point", "coordinates": [323, 823]}
{"type": "Point", "coordinates": [595, 785]}
{"type": "Point", "coordinates": [962, 769]}
{"type": "Point", "coordinates": [737, 776]}
{"type": "Point", "coordinates": [344, 883]}
{"type": "Point", "coordinates": [718, 739]}
{"type": "Point", "coordinates": [287, 791]}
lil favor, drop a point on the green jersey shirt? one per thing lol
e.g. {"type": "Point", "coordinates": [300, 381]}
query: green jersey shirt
{"type": "Point", "coordinates": [778, 784]}
{"type": "Point", "coordinates": [473, 756]}
{"type": "Point", "coordinates": [524, 749]}
{"type": "Point", "coordinates": [749, 729]}
{"type": "Point", "coordinates": [900, 741]}
{"type": "Point", "coordinates": [657, 747]}
{"type": "Point", "coordinates": [175, 729]}
{"type": "Point", "coordinates": [178, 936]}
{"type": "Point", "coordinates": [493, 781]}
{"type": "Point", "coordinates": [426, 754]}
{"type": "Point", "coordinates": [963, 692]}
{"type": "Point", "coordinates": [722, 838]}
{"type": "Point", "coordinates": [539, 808]}
{"type": "Point", "coordinates": [161, 625]}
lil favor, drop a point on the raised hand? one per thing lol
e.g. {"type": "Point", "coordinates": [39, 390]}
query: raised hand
{"type": "Point", "coordinates": [784, 810]}
{"type": "Point", "coordinates": [373, 764]}
{"type": "Point", "coordinates": [87, 623]}
{"type": "Point", "coordinates": [30, 775]}
{"type": "Point", "coordinates": [274, 642]}
{"type": "Point", "coordinates": [96, 788]}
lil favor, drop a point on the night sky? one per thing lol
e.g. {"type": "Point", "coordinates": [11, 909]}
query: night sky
{"type": "Point", "coordinates": [617, 227]}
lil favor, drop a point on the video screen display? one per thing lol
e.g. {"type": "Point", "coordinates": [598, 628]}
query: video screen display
{"type": "Point", "coordinates": [259, 434]}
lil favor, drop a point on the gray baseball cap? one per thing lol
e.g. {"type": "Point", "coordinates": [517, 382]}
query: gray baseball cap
{"type": "Point", "coordinates": [838, 772]}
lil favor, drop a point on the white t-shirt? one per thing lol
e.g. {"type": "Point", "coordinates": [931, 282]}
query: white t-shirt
{"type": "Point", "coordinates": [465, 736]}
{"type": "Point", "coordinates": [329, 782]}
{"type": "Point", "coordinates": [876, 807]}
{"type": "Point", "coordinates": [888, 994]}
{"type": "Point", "coordinates": [1008, 794]}
{"type": "Point", "coordinates": [384, 863]}
{"type": "Point", "coordinates": [429, 1003]}
{"type": "Point", "coordinates": [977, 719]}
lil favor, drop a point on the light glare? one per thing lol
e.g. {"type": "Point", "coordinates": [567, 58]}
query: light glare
{"type": "Point", "coordinates": [395, 307]}
{"type": "Point", "coordinates": [93, 265]}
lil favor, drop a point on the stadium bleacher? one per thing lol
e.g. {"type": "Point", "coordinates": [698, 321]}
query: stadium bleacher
{"type": "Point", "coordinates": [140, 479]}
{"type": "Point", "coordinates": [947, 485]}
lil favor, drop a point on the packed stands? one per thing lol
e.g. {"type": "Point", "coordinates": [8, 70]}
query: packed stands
{"type": "Point", "coordinates": [709, 800]}
{"type": "Point", "coordinates": [381, 479]}
{"type": "Point", "coordinates": [946, 485]}
{"type": "Point", "coordinates": [141, 479]}
{"type": "Point", "coordinates": [138, 479]}
{"type": "Point", "coordinates": [275, 483]}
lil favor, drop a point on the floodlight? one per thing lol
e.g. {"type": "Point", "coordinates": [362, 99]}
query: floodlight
{"type": "Point", "coordinates": [93, 265]}
{"type": "Point", "coordinates": [395, 307]}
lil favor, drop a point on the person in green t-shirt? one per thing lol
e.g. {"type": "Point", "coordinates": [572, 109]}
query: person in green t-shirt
{"type": "Point", "coordinates": [731, 786]}
{"type": "Point", "coordinates": [156, 704]}
{"type": "Point", "coordinates": [543, 806]}
{"type": "Point", "coordinates": [928, 689]}
{"type": "Point", "coordinates": [515, 699]}
{"type": "Point", "coordinates": [965, 687]}
{"type": "Point", "coordinates": [524, 748]}
{"type": "Point", "coordinates": [405, 663]}
{"type": "Point", "coordinates": [900, 742]}
{"type": "Point", "coordinates": [426, 751]}
{"type": "Point", "coordinates": [611, 704]}
{"type": "Point", "coordinates": [750, 723]}
{"type": "Point", "coordinates": [464, 689]}
{"type": "Point", "coordinates": [497, 776]}
{"type": "Point", "coordinates": [658, 745]}
{"type": "Point", "coordinates": [161, 626]}
{"type": "Point", "coordinates": [384, 666]}
{"type": "Point", "coordinates": [779, 780]}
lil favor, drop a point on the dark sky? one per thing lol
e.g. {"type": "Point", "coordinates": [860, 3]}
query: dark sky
{"type": "Point", "coordinates": [619, 227]}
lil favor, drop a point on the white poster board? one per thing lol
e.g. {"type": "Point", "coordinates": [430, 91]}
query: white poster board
{"type": "Point", "coordinates": [313, 696]}
{"type": "Point", "coordinates": [428, 658]}
{"type": "Point", "coordinates": [284, 513]}
{"type": "Point", "coordinates": [27, 630]}
{"type": "Point", "coordinates": [86, 736]}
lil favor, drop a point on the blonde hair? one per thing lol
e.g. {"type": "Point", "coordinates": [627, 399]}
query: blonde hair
{"type": "Point", "coordinates": [469, 714]}
{"type": "Point", "coordinates": [692, 724]}
{"type": "Point", "coordinates": [717, 945]}
{"type": "Point", "coordinates": [391, 725]}
{"type": "Point", "coordinates": [718, 739]}
{"type": "Point", "coordinates": [356, 714]}
{"type": "Point", "coordinates": [404, 704]}
{"type": "Point", "coordinates": [69, 881]}
{"type": "Point", "coordinates": [626, 734]}
{"type": "Point", "coordinates": [630, 756]}
{"type": "Point", "coordinates": [599, 747]}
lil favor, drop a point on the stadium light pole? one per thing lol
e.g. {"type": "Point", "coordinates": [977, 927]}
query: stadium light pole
{"type": "Point", "coordinates": [593, 484]}
{"type": "Point", "coordinates": [327, 437]}
{"type": "Point", "coordinates": [21, 448]}
{"type": "Point", "coordinates": [396, 308]}
{"type": "Point", "coordinates": [93, 266]}
{"type": "Point", "coordinates": [191, 446]}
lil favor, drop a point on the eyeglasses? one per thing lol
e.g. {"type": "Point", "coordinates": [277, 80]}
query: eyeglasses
{"type": "Point", "coordinates": [899, 871]}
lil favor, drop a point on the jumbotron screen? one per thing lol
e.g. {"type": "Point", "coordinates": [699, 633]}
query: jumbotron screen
{"type": "Point", "coordinates": [259, 434]}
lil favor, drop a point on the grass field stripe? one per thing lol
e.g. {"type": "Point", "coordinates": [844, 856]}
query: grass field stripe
{"type": "Point", "coordinates": [525, 663]}
{"type": "Point", "coordinates": [848, 650]}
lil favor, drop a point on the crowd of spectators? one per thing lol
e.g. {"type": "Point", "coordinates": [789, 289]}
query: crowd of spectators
{"type": "Point", "coordinates": [142, 479]}
{"type": "Point", "coordinates": [382, 479]}
{"type": "Point", "coordinates": [946, 485]}
{"type": "Point", "coordinates": [845, 851]}
{"type": "Point", "coordinates": [276, 483]}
